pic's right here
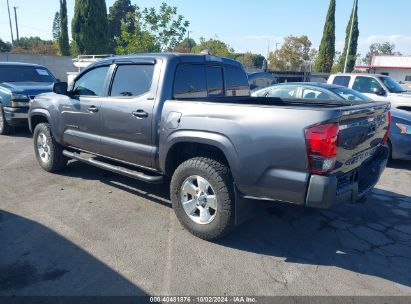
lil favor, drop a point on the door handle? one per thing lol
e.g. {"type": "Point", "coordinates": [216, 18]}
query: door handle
{"type": "Point", "coordinates": [92, 109]}
{"type": "Point", "coordinates": [140, 114]}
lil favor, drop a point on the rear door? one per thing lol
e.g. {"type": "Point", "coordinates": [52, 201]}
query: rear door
{"type": "Point", "coordinates": [81, 116]}
{"type": "Point", "coordinates": [127, 114]}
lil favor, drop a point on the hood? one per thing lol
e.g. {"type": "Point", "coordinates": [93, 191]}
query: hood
{"type": "Point", "coordinates": [406, 94]}
{"type": "Point", "coordinates": [30, 88]}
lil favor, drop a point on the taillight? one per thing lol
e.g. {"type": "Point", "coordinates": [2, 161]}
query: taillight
{"type": "Point", "coordinates": [384, 140]}
{"type": "Point", "coordinates": [321, 144]}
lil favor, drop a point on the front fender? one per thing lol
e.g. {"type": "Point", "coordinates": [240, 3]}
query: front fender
{"type": "Point", "coordinates": [216, 140]}
{"type": "Point", "coordinates": [38, 112]}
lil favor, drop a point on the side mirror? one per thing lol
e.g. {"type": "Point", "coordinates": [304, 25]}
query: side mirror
{"type": "Point", "coordinates": [60, 88]}
{"type": "Point", "coordinates": [378, 91]}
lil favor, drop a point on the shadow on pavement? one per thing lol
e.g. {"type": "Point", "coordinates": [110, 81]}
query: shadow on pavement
{"type": "Point", "coordinates": [35, 260]}
{"type": "Point", "coordinates": [372, 239]}
{"type": "Point", "coordinates": [157, 193]}
{"type": "Point", "coordinates": [400, 164]}
{"type": "Point", "coordinates": [21, 132]}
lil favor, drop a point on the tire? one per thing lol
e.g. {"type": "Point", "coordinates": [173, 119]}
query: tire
{"type": "Point", "coordinates": [50, 155]}
{"type": "Point", "coordinates": [5, 128]}
{"type": "Point", "coordinates": [217, 201]}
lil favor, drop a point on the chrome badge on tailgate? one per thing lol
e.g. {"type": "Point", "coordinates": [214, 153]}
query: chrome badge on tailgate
{"type": "Point", "coordinates": [361, 156]}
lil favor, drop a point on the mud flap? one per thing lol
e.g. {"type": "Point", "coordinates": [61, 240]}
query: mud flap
{"type": "Point", "coordinates": [244, 208]}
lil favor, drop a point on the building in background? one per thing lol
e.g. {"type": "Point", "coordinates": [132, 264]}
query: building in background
{"type": "Point", "coordinates": [397, 67]}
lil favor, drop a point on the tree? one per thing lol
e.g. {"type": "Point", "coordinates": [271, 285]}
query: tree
{"type": "Point", "coordinates": [89, 26]}
{"type": "Point", "coordinates": [154, 30]}
{"type": "Point", "coordinates": [326, 51]}
{"type": "Point", "coordinates": [4, 46]}
{"type": "Point", "coordinates": [64, 45]}
{"type": "Point", "coordinates": [122, 11]}
{"type": "Point", "coordinates": [166, 25]}
{"type": "Point", "coordinates": [215, 46]}
{"type": "Point", "coordinates": [293, 54]}
{"type": "Point", "coordinates": [385, 48]}
{"type": "Point", "coordinates": [56, 26]}
{"type": "Point", "coordinates": [251, 61]}
{"type": "Point", "coordinates": [185, 46]}
{"type": "Point", "coordinates": [35, 45]}
{"type": "Point", "coordinates": [352, 48]}
{"type": "Point", "coordinates": [139, 41]}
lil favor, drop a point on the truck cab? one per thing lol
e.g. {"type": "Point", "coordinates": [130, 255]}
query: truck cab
{"type": "Point", "coordinates": [377, 87]}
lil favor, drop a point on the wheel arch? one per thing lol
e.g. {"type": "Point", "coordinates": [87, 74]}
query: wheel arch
{"type": "Point", "coordinates": [183, 145]}
{"type": "Point", "coordinates": [38, 116]}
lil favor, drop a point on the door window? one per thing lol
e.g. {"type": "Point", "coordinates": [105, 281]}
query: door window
{"type": "Point", "coordinates": [92, 83]}
{"type": "Point", "coordinates": [342, 80]}
{"type": "Point", "coordinates": [132, 80]}
{"type": "Point", "coordinates": [190, 82]}
{"type": "Point", "coordinates": [315, 94]}
{"type": "Point", "coordinates": [366, 84]}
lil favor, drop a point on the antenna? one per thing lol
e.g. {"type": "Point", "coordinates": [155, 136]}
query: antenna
{"type": "Point", "coordinates": [350, 38]}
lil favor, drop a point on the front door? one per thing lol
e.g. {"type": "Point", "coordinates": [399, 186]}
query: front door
{"type": "Point", "coordinates": [366, 86]}
{"type": "Point", "coordinates": [81, 116]}
{"type": "Point", "coordinates": [127, 115]}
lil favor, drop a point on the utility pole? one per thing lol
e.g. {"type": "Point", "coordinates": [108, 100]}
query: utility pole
{"type": "Point", "coordinates": [17, 26]}
{"type": "Point", "coordinates": [11, 28]}
{"type": "Point", "coordinates": [350, 38]}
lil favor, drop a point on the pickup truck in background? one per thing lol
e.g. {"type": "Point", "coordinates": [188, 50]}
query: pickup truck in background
{"type": "Point", "coordinates": [19, 83]}
{"type": "Point", "coordinates": [190, 118]}
{"type": "Point", "coordinates": [375, 86]}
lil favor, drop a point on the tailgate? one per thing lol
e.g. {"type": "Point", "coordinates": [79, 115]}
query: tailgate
{"type": "Point", "coordinates": [361, 133]}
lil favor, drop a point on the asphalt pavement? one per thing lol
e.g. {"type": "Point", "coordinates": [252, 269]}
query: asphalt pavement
{"type": "Point", "coordinates": [85, 231]}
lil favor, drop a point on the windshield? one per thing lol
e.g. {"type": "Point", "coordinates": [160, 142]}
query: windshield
{"type": "Point", "coordinates": [17, 73]}
{"type": "Point", "coordinates": [392, 85]}
{"type": "Point", "coordinates": [348, 94]}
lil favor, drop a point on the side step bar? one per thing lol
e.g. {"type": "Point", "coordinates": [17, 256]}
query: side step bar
{"type": "Point", "coordinates": [116, 169]}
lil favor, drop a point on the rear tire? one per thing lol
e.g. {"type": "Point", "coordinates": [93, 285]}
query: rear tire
{"type": "Point", "coordinates": [49, 153]}
{"type": "Point", "coordinates": [5, 128]}
{"type": "Point", "coordinates": [202, 194]}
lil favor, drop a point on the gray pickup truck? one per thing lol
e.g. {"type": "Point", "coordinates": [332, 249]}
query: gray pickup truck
{"type": "Point", "coordinates": [190, 118]}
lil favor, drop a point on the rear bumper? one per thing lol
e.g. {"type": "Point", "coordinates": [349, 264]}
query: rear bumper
{"type": "Point", "coordinates": [325, 191]}
{"type": "Point", "coordinates": [16, 116]}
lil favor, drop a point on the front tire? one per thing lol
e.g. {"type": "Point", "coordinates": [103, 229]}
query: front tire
{"type": "Point", "coordinates": [49, 153]}
{"type": "Point", "coordinates": [5, 128]}
{"type": "Point", "coordinates": [202, 194]}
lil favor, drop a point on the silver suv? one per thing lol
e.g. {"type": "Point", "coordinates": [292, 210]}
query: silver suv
{"type": "Point", "coordinates": [377, 87]}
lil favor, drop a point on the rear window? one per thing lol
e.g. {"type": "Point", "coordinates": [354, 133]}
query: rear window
{"type": "Point", "coordinates": [236, 82]}
{"type": "Point", "coordinates": [190, 82]}
{"type": "Point", "coordinates": [342, 80]}
{"type": "Point", "coordinates": [215, 81]}
{"type": "Point", "coordinates": [21, 73]}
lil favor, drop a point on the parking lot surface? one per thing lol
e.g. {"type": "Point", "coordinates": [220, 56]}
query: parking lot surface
{"type": "Point", "coordinates": [85, 231]}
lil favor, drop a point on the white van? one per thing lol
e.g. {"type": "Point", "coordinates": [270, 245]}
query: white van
{"type": "Point", "coordinates": [377, 87]}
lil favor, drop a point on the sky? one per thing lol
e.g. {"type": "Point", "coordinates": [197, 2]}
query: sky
{"type": "Point", "coordinates": [251, 26]}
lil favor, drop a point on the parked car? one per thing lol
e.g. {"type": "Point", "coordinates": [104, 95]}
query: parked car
{"type": "Point", "coordinates": [191, 118]}
{"type": "Point", "coordinates": [377, 87]}
{"type": "Point", "coordinates": [259, 80]}
{"type": "Point", "coordinates": [19, 83]}
{"type": "Point", "coordinates": [399, 139]}
{"type": "Point", "coordinates": [311, 91]}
